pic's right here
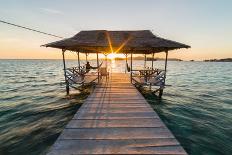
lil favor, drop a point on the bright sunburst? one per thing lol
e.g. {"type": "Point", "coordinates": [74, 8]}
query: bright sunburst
{"type": "Point", "coordinates": [111, 56]}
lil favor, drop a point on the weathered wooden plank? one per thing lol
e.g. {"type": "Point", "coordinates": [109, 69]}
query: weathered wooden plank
{"type": "Point", "coordinates": [109, 105]}
{"type": "Point", "coordinates": [111, 89]}
{"type": "Point", "coordinates": [129, 96]}
{"type": "Point", "coordinates": [92, 101]}
{"type": "Point", "coordinates": [116, 133]}
{"type": "Point", "coordinates": [132, 115]}
{"type": "Point", "coordinates": [115, 98]}
{"type": "Point", "coordinates": [131, 146]}
{"type": "Point", "coordinates": [141, 122]}
{"type": "Point", "coordinates": [130, 88]}
{"type": "Point", "coordinates": [117, 92]}
{"type": "Point", "coordinates": [116, 109]}
{"type": "Point", "coordinates": [116, 87]}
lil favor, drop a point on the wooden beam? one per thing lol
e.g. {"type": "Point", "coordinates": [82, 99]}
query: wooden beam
{"type": "Point", "coordinates": [98, 78]}
{"type": "Point", "coordinates": [106, 62]}
{"type": "Point", "coordinates": [166, 60]}
{"type": "Point", "coordinates": [65, 75]}
{"type": "Point", "coordinates": [78, 57]}
{"type": "Point", "coordinates": [152, 63]}
{"type": "Point", "coordinates": [165, 69]}
{"type": "Point", "coordinates": [126, 63]}
{"type": "Point", "coordinates": [145, 60]}
{"type": "Point", "coordinates": [131, 68]}
{"type": "Point", "coordinates": [86, 57]}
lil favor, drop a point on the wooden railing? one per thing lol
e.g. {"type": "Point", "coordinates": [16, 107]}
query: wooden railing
{"type": "Point", "coordinates": [149, 77]}
{"type": "Point", "coordinates": [79, 76]}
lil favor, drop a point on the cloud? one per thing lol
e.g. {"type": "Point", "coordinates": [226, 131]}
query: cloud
{"type": "Point", "coordinates": [51, 11]}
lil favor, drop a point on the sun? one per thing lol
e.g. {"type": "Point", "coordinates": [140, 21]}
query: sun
{"type": "Point", "coordinates": [111, 56]}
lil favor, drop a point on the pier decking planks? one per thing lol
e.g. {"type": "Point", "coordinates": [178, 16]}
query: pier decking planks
{"type": "Point", "coordinates": [116, 119]}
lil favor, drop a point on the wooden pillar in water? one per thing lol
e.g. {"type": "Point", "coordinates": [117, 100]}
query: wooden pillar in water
{"type": "Point", "coordinates": [145, 60]}
{"type": "Point", "coordinates": [106, 61]}
{"type": "Point", "coordinates": [165, 69]}
{"type": "Point", "coordinates": [65, 75]}
{"type": "Point", "coordinates": [152, 63]}
{"type": "Point", "coordinates": [152, 66]}
{"type": "Point", "coordinates": [126, 63]}
{"type": "Point", "coordinates": [78, 57]}
{"type": "Point", "coordinates": [98, 78]}
{"type": "Point", "coordinates": [86, 57]}
{"type": "Point", "coordinates": [131, 67]}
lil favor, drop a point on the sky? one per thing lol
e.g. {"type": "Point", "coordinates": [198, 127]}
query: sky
{"type": "Point", "coordinates": [205, 25]}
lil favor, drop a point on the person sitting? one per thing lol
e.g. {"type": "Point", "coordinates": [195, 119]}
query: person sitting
{"type": "Point", "coordinates": [88, 66]}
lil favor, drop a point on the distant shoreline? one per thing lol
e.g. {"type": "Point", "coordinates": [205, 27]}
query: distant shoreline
{"type": "Point", "coordinates": [219, 60]}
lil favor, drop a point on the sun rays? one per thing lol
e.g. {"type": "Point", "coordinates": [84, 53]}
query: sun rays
{"type": "Point", "coordinates": [123, 44]}
{"type": "Point", "coordinates": [109, 42]}
{"type": "Point", "coordinates": [113, 53]}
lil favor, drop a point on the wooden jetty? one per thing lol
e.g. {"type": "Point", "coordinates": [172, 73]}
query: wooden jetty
{"type": "Point", "coordinates": [117, 42]}
{"type": "Point", "coordinates": [116, 119]}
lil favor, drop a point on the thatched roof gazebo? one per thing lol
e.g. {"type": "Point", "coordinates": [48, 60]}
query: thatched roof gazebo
{"type": "Point", "coordinates": [136, 42]}
{"type": "Point", "coordinates": [125, 42]}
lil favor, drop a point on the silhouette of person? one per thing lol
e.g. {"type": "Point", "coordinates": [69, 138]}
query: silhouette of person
{"type": "Point", "coordinates": [88, 66]}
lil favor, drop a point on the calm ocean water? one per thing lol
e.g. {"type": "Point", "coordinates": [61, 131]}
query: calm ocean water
{"type": "Point", "coordinates": [197, 108]}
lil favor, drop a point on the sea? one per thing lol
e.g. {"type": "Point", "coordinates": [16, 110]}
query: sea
{"type": "Point", "coordinates": [34, 109]}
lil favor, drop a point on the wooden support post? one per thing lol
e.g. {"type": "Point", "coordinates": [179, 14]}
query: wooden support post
{"type": "Point", "coordinates": [126, 63]}
{"type": "Point", "coordinates": [65, 75]}
{"type": "Point", "coordinates": [145, 60]}
{"type": "Point", "coordinates": [98, 78]}
{"type": "Point", "coordinates": [86, 57]}
{"type": "Point", "coordinates": [160, 93]}
{"type": "Point", "coordinates": [78, 57]}
{"type": "Point", "coordinates": [106, 62]}
{"type": "Point", "coordinates": [131, 67]}
{"type": "Point", "coordinates": [152, 63]}
{"type": "Point", "coordinates": [165, 69]}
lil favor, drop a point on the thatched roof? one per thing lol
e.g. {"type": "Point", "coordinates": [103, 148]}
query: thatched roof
{"type": "Point", "coordinates": [138, 42]}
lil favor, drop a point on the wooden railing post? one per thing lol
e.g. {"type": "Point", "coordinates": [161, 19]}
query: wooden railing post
{"type": "Point", "coordinates": [145, 60]}
{"type": "Point", "coordinates": [126, 63]}
{"type": "Point", "coordinates": [152, 63]}
{"type": "Point", "coordinates": [78, 57]}
{"type": "Point", "coordinates": [65, 75]}
{"type": "Point", "coordinates": [165, 69]}
{"type": "Point", "coordinates": [86, 57]}
{"type": "Point", "coordinates": [106, 61]}
{"type": "Point", "coordinates": [131, 67]}
{"type": "Point", "coordinates": [98, 78]}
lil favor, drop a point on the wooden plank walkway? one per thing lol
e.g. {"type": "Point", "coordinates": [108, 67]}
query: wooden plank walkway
{"type": "Point", "coordinates": [116, 119]}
